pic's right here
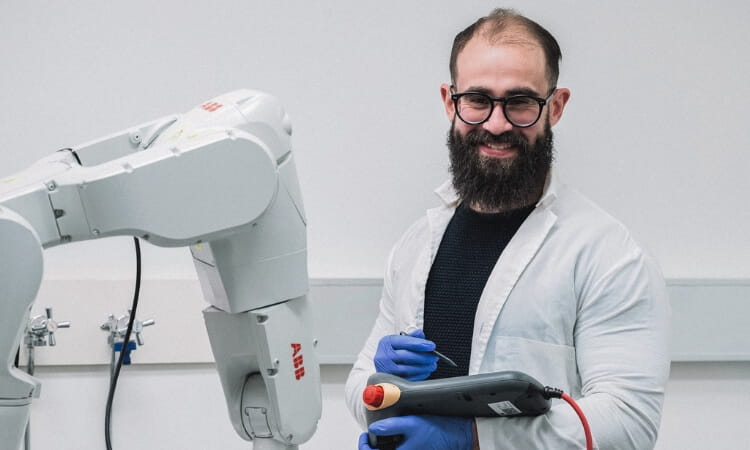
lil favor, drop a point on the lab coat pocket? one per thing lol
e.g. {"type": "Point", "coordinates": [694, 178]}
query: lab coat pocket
{"type": "Point", "coordinates": [550, 364]}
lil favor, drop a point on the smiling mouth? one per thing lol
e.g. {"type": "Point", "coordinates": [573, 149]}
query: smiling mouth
{"type": "Point", "coordinates": [493, 150]}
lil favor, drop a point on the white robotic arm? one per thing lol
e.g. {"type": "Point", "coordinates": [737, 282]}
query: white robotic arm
{"type": "Point", "coordinates": [220, 179]}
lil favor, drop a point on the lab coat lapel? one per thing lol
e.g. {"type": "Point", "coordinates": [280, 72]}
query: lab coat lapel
{"type": "Point", "coordinates": [513, 261]}
{"type": "Point", "coordinates": [437, 220]}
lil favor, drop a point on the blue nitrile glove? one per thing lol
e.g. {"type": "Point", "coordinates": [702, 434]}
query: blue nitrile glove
{"type": "Point", "coordinates": [406, 356]}
{"type": "Point", "coordinates": [425, 432]}
{"type": "Point", "coordinates": [364, 444]}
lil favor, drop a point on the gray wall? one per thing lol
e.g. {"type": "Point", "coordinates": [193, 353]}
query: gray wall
{"type": "Point", "coordinates": [654, 133]}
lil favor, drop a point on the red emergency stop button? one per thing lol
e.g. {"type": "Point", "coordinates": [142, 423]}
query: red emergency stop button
{"type": "Point", "coordinates": [373, 395]}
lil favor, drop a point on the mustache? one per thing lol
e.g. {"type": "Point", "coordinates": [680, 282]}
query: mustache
{"type": "Point", "coordinates": [484, 137]}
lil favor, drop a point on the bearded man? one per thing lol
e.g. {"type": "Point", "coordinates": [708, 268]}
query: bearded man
{"type": "Point", "coordinates": [517, 271]}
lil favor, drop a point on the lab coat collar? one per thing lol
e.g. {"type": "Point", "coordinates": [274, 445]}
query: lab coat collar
{"type": "Point", "coordinates": [447, 193]}
{"type": "Point", "coordinates": [515, 258]}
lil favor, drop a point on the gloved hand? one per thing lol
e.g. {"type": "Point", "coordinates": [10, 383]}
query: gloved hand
{"type": "Point", "coordinates": [424, 432]}
{"type": "Point", "coordinates": [407, 356]}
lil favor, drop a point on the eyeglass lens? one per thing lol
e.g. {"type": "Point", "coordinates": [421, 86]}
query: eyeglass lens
{"type": "Point", "coordinates": [519, 110]}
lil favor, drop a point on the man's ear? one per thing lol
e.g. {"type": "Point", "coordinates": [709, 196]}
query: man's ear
{"type": "Point", "coordinates": [445, 94]}
{"type": "Point", "coordinates": [557, 105]}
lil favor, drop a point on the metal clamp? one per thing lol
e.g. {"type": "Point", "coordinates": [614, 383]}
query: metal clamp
{"type": "Point", "coordinates": [41, 329]}
{"type": "Point", "coordinates": [118, 327]}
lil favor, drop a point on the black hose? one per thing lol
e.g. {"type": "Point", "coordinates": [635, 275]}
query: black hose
{"type": "Point", "coordinates": [116, 373]}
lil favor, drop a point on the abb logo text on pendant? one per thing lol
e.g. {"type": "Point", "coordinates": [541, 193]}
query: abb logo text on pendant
{"type": "Point", "coordinates": [299, 368]}
{"type": "Point", "coordinates": [211, 106]}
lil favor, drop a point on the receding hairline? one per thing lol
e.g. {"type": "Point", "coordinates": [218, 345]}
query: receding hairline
{"type": "Point", "coordinates": [508, 27]}
{"type": "Point", "coordinates": [512, 35]}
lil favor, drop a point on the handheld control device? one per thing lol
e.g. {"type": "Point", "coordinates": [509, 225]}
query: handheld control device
{"type": "Point", "coordinates": [499, 394]}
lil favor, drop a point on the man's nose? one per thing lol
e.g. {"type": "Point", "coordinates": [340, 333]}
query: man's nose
{"type": "Point", "coordinates": [497, 123]}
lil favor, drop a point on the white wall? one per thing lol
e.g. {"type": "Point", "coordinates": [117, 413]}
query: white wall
{"type": "Point", "coordinates": [171, 407]}
{"type": "Point", "coordinates": [654, 130]}
{"type": "Point", "coordinates": [706, 407]}
{"type": "Point", "coordinates": [654, 133]}
{"type": "Point", "coordinates": [162, 408]}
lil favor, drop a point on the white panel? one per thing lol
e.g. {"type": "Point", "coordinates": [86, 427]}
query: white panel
{"type": "Point", "coordinates": [179, 335]}
{"type": "Point", "coordinates": [708, 319]}
{"type": "Point", "coordinates": [343, 310]}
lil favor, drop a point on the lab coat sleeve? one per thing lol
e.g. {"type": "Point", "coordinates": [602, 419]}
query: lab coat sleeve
{"type": "Point", "coordinates": [621, 336]}
{"type": "Point", "coordinates": [364, 366]}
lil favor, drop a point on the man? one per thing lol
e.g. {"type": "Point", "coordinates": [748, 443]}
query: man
{"type": "Point", "coordinates": [516, 271]}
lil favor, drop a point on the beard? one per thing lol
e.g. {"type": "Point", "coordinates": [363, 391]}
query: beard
{"type": "Point", "coordinates": [496, 184]}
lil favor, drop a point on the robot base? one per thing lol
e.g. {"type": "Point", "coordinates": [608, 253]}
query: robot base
{"type": "Point", "coordinates": [271, 444]}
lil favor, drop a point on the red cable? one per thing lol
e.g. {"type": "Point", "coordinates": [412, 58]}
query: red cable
{"type": "Point", "coordinates": [586, 428]}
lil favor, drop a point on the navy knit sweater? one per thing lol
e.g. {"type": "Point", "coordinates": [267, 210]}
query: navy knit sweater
{"type": "Point", "coordinates": [468, 252]}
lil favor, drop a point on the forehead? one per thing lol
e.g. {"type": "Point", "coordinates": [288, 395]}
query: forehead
{"type": "Point", "coordinates": [500, 64]}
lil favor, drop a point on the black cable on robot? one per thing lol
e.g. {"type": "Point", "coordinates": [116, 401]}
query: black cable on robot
{"type": "Point", "coordinates": [116, 373]}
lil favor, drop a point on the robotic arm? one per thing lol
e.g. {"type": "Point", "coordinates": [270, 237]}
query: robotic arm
{"type": "Point", "coordinates": [220, 179]}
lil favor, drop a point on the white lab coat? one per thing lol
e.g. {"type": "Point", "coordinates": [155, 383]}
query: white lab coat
{"type": "Point", "coordinates": [573, 301]}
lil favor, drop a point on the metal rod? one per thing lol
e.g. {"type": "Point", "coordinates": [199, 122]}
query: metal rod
{"type": "Point", "coordinates": [30, 370]}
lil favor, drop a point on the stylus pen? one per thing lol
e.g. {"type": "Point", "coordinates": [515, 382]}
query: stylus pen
{"type": "Point", "coordinates": [436, 353]}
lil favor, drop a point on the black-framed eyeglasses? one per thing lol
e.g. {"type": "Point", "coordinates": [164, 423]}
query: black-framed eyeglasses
{"type": "Point", "coordinates": [521, 111]}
